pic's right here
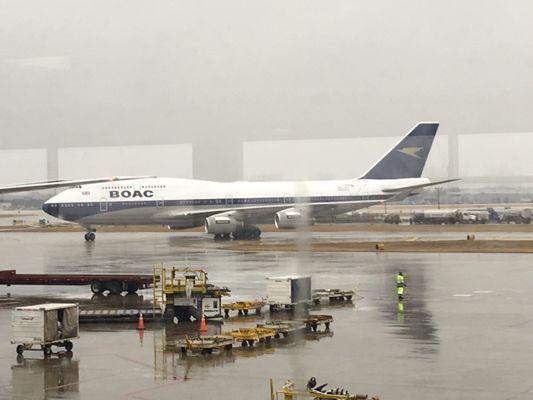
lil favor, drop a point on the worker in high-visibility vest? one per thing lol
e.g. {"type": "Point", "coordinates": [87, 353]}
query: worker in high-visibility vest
{"type": "Point", "coordinates": [400, 285]}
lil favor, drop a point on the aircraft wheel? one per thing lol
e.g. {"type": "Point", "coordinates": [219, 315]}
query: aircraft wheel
{"type": "Point", "coordinates": [97, 287]}
{"type": "Point", "coordinates": [87, 237]}
{"type": "Point", "coordinates": [92, 236]}
{"type": "Point", "coordinates": [20, 349]}
{"type": "Point", "coordinates": [132, 287]}
{"type": "Point", "coordinates": [114, 287]}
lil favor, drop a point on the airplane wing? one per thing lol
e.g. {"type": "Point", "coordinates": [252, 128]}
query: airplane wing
{"type": "Point", "coordinates": [400, 189]}
{"type": "Point", "coordinates": [256, 211]}
{"type": "Point", "coordinates": [25, 187]}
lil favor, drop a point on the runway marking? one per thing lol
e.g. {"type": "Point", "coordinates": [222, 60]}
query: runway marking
{"type": "Point", "coordinates": [483, 291]}
{"type": "Point", "coordinates": [462, 295]}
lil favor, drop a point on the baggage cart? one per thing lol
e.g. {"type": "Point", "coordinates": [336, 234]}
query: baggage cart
{"type": "Point", "coordinates": [42, 326]}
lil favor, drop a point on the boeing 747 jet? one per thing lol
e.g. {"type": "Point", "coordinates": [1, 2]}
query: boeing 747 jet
{"type": "Point", "coordinates": [231, 209]}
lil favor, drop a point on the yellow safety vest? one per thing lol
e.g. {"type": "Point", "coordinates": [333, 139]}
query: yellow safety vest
{"type": "Point", "coordinates": [399, 281]}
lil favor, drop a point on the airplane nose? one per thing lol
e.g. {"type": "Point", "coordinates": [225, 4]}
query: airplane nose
{"type": "Point", "coordinates": [51, 209]}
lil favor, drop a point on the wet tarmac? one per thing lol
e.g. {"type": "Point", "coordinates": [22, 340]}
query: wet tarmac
{"type": "Point", "coordinates": [463, 330]}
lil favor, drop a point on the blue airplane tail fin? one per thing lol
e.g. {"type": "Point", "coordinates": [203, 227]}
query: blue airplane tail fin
{"type": "Point", "coordinates": [408, 158]}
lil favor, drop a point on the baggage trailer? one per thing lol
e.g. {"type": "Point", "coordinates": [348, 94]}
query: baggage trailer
{"type": "Point", "coordinates": [204, 344]}
{"type": "Point", "coordinates": [99, 283]}
{"type": "Point", "coordinates": [243, 307]}
{"type": "Point", "coordinates": [45, 325]}
{"type": "Point", "coordinates": [333, 295]}
{"type": "Point", "coordinates": [249, 336]}
{"type": "Point", "coordinates": [312, 322]}
{"type": "Point", "coordinates": [288, 292]}
{"type": "Point", "coordinates": [283, 328]}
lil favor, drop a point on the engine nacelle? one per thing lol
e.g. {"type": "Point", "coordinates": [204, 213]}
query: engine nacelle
{"type": "Point", "coordinates": [222, 224]}
{"type": "Point", "coordinates": [291, 219]}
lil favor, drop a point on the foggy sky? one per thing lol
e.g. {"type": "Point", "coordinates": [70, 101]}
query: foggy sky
{"type": "Point", "coordinates": [216, 73]}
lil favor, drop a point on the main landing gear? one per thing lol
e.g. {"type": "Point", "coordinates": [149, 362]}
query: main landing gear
{"type": "Point", "coordinates": [250, 233]}
{"type": "Point", "coordinates": [90, 236]}
{"type": "Point", "coordinates": [222, 236]}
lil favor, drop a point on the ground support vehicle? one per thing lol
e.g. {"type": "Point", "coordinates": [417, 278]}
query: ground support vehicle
{"type": "Point", "coordinates": [99, 283]}
{"type": "Point", "coordinates": [250, 336]}
{"type": "Point", "coordinates": [185, 293]}
{"type": "Point", "coordinates": [333, 295]}
{"type": "Point", "coordinates": [42, 326]}
{"type": "Point", "coordinates": [312, 322]}
{"type": "Point", "coordinates": [204, 344]}
{"type": "Point", "coordinates": [283, 328]}
{"type": "Point", "coordinates": [243, 307]}
{"type": "Point", "coordinates": [288, 292]}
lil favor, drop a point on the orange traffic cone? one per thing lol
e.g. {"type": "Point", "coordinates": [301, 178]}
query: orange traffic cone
{"type": "Point", "coordinates": [140, 325]}
{"type": "Point", "coordinates": [203, 327]}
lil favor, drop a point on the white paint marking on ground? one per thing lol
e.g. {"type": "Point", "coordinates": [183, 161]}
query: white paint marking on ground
{"type": "Point", "coordinates": [483, 291]}
{"type": "Point", "coordinates": [462, 295]}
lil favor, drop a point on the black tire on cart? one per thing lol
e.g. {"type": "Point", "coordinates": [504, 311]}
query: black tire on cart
{"type": "Point", "coordinates": [97, 287]}
{"type": "Point", "coordinates": [132, 287]}
{"type": "Point", "coordinates": [68, 345]}
{"type": "Point", "coordinates": [20, 349]}
{"type": "Point", "coordinates": [114, 287]}
{"type": "Point", "coordinates": [47, 350]}
{"type": "Point", "coordinates": [349, 297]}
{"type": "Point", "coordinates": [244, 343]}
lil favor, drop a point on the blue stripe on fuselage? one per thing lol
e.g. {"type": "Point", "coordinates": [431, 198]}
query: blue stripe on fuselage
{"type": "Point", "coordinates": [77, 210]}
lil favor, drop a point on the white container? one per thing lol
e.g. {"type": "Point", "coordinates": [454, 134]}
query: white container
{"type": "Point", "coordinates": [45, 323]}
{"type": "Point", "coordinates": [288, 290]}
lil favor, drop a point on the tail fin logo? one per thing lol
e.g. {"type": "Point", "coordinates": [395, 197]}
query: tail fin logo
{"type": "Point", "coordinates": [411, 151]}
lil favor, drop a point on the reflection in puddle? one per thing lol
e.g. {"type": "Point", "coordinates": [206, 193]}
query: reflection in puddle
{"type": "Point", "coordinates": [410, 317]}
{"type": "Point", "coordinates": [170, 363]}
{"type": "Point", "coordinates": [44, 378]}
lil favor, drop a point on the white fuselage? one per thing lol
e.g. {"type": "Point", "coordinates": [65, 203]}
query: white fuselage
{"type": "Point", "coordinates": [170, 201]}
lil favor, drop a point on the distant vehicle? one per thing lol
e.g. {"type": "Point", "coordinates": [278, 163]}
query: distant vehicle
{"type": "Point", "coordinates": [443, 216]}
{"type": "Point", "coordinates": [474, 216]}
{"type": "Point", "coordinates": [232, 209]}
{"type": "Point", "coordinates": [392, 219]}
{"type": "Point", "coordinates": [508, 216]}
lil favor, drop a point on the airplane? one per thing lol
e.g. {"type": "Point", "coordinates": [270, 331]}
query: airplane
{"type": "Point", "coordinates": [230, 209]}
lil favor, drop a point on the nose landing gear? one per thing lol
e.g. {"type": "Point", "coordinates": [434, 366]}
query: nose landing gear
{"type": "Point", "coordinates": [90, 236]}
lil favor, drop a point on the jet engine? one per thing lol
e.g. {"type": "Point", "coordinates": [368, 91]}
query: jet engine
{"type": "Point", "coordinates": [291, 219]}
{"type": "Point", "coordinates": [222, 224]}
